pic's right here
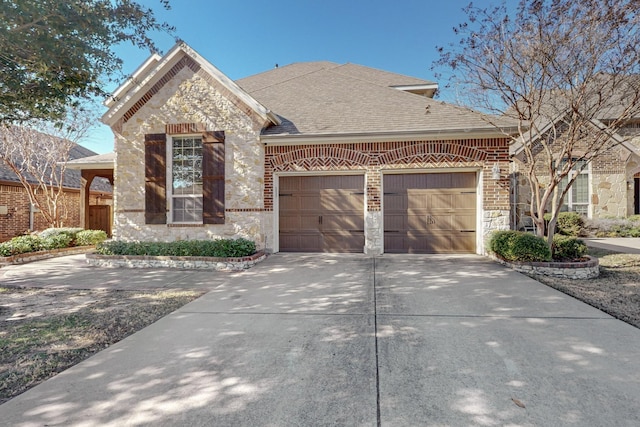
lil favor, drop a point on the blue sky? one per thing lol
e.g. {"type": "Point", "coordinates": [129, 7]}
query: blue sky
{"type": "Point", "coordinates": [246, 37]}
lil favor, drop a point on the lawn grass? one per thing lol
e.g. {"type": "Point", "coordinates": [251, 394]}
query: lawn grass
{"type": "Point", "coordinates": [616, 291]}
{"type": "Point", "coordinates": [43, 332]}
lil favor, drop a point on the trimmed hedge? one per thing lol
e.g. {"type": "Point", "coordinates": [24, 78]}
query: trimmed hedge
{"type": "Point", "coordinates": [51, 238]}
{"type": "Point", "coordinates": [90, 237]}
{"type": "Point", "coordinates": [223, 248]}
{"type": "Point", "coordinates": [568, 248]}
{"type": "Point", "coordinates": [512, 245]}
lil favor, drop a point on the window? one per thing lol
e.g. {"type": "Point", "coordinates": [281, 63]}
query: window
{"type": "Point", "coordinates": [184, 175]}
{"type": "Point", "coordinates": [186, 179]}
{"type": "Point", "coordinates": [577, 198]}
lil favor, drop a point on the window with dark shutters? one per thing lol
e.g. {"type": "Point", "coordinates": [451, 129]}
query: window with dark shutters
{"type": "Point", "coordinates": [213, 177]}
{"type": "Point", "coordinates": [155, 178]}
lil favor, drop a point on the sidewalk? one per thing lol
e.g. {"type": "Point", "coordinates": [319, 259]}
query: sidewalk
{"type": "Point", "coordinates": [72, 272]}
{"type": "Point", "coordinates": [626, 245]}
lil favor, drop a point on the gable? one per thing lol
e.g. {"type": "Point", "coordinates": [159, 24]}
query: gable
{"type": "Point", "coordinates": [156, 74]}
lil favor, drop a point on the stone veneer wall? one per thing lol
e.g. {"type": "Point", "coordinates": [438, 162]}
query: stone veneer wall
{"type": "Point", "coordinates": [373, 159]}
{"type": "Point", "coordinates": [187, 94]}
{"type": "Point", "coordinates": [609, 193]}
{"type": "Point", "coordinates": [609, 184]}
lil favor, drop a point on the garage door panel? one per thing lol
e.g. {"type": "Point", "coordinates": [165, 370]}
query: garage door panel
{"type": "Point", "coordinates": [430, 213]}
{"type": "Point", "coordinates": [464, 243]}
{"type": "Point", "coordinates": [351, 242]}
{"type": "Point", "coordinates": [325, 213]}
{"type": "Point", "coordinates": [463, 200]}
{"type": "Point", "coordinates": [440, 223]}
{"type": "Point", "coordinates": [464, 222]}
{"type": "Point", "coordinates": [301, 242]}
{"type": "Point", "coordinates": [394, 222]}
{"type": "Point", "coordinates": [417, 199]}
{"type": "Point", "coordinates": [463, 180]}
{"type": "Point", "coordinates": [341, 200]}
{"type": "Point", "coordinates": [346, 222]}
{"type": "Point", "coordinates": [395, 202]}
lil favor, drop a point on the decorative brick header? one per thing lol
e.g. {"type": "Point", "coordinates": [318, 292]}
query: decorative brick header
{"type": "Point", "coordinates": [182, 63]}
{"type": "Point", "coordinates": [373, 158]}
{"type": "Point", "coordinates": [185, 128]}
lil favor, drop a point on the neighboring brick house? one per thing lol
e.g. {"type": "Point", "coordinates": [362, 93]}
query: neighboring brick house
{"type": "Point", "coordinates": [608, 187]}
{"type": "Point", "coordinates": [18, 216]}
{"type": "Point", "coordinates": [314, 157]}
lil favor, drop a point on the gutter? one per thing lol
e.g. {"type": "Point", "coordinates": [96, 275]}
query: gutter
{"type": "Point", "coordinates": [356, 137]}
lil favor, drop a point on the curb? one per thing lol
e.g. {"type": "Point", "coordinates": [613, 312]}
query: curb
{"type": "Point", "coordinates": [565, 270]}
{"type": "Point", "coordinates": [40, 255]}
{"type": "Point", "coordinates": [184, 262]}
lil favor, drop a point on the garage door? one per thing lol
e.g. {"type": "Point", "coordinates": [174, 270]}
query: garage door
{"type": "Point", "coordinates": [321, 213]}
{"type": "Point", "coordinates": [430, 213]}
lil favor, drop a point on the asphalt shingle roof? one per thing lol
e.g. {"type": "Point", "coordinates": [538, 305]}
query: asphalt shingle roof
{"type": "Point", "coordinates": [326, 98]}
{"type": "Point", "coordinates": [71, 177]}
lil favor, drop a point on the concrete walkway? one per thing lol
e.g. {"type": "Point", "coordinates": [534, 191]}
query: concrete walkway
{"type": "Point", "coordinates": [626, 245]}
{"type": "Point", "coordinates": [305, 340]}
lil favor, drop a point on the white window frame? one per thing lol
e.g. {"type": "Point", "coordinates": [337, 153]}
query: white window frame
{"type": "Point", "coordinates": [568, 198]}
{"type": "Point", "coordinates": [169, 184]}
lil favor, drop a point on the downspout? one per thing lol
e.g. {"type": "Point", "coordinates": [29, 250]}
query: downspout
{"type": "Point", "coordinates": [514, 201]}
{"type": "Point", "coordinates": [31, 217]}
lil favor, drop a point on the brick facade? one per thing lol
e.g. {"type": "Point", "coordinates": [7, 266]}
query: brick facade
{"type": "Point", "coordinates": [375, 158]}
{"type": "Point", "coordinates": [16, 221]}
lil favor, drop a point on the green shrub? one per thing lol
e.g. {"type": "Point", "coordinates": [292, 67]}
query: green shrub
{"type": "Point", "coordinates": [21, 245]}
{"type": "Point", "coordinates": [69, 231]}
{"type": "Point", "coordinates": [56, 241]}
{"type": "Point", "coordinates": [568, 247]}
{"type": "Point", "coordinates": [90, 237]}
{"type": "Point", "coordinates": [570, 223]}
{"type": "Point", "coordinates": [212, 248]}
{"type": "Point", "coordinates": [513, 245]}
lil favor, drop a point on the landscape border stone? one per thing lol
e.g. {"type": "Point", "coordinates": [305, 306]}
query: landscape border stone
{"type": "Point", "coordinates": [589, 269]}
{"type": "Point", "coordinates": [184, 262]}
{"type": "Point", "coordinates": [40, 255]}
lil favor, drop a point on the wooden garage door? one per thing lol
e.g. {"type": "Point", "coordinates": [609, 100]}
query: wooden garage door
{"type": "Point", "coordinates": [321, 213]}
{"type": "Point", "coordinates": [430, 213]}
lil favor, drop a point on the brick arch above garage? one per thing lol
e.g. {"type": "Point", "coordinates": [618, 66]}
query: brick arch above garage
{"type": "Point", "coordinates": [375, 157]}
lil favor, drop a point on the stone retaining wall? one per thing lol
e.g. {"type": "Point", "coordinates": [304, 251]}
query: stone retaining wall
{"type": "Point", "coordinates": [566, 270]}
{"type": "Point", "coordinates": [36, 256]}
{"type": "Point", "coordinates": [187, 263]}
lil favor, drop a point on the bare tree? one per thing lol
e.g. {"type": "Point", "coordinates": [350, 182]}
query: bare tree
{"type": "Point", "coordinates": [566, 71]}
{"type": "Point", "coordinates": [37, 153]}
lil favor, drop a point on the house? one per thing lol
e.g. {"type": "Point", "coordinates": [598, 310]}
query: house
{"type": "Point", "coordinates": [18, 216]}
{"type": "Point", "coordinates": [609, 185]}
{"type": "Point", "coordinates": [313, 157]}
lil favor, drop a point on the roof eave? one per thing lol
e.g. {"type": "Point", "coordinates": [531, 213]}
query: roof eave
{"type": "Point", "coordinates": [91, 165]}
{"type": "Point", "coordinates": [391, 136]}
{"type": "Point", "coordinates": [143, 69]}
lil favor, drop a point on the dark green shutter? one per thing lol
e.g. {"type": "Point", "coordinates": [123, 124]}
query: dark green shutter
{"type": "Point", "coordinates": [155, 186]}
{"type": "Point", "coordinates": [213, 178]}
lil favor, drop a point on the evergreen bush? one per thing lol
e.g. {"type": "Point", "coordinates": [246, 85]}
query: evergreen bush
{"type": "Point", "coordinates": [90, 237]}
{"type": "Point", "coordinates": [512, 245]}
{"type": "Point", "coordinates": [568, 247]}
{"type": "Point", "coordinates": [212, 248]}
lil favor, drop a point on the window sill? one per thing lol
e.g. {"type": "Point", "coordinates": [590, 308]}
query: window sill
{"type": "Point", "coordinates": [185, 225]}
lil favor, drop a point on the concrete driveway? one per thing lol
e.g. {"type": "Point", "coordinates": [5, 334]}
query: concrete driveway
{"type": "Point", "coordinates": [407, 340]}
